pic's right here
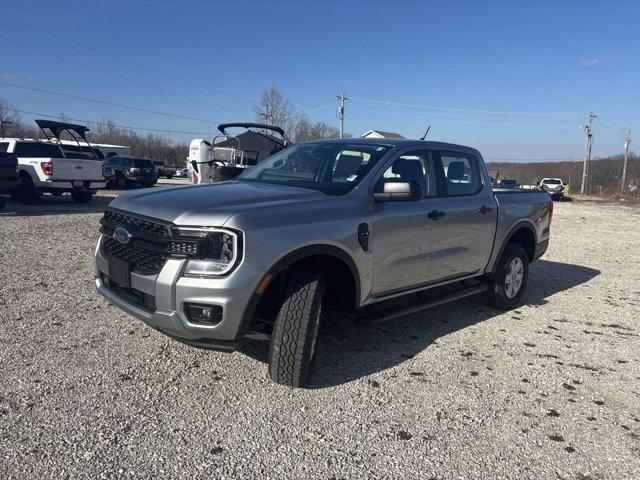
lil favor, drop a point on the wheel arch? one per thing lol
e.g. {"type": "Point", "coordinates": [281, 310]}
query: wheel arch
{"type": "Point", "coordinates": [339, 269]}
{"type": "Point", "coordinates": [522, 233]}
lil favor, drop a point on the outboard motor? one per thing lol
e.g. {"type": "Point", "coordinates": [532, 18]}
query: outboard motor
{"type": "Point", "coordinates": [200, 161]}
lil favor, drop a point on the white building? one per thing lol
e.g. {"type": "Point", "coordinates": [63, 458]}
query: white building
{"type": "Point", "coordinates": [380, 134]}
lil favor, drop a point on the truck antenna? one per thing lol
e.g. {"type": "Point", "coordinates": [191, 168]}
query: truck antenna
{"type": "Point", "coordinates": [426, 133]}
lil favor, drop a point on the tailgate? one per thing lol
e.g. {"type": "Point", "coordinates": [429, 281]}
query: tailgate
{"type": "Point", "coordinates": [76, 169]}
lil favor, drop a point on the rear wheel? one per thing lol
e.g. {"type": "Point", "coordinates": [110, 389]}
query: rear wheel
{"type": "Point", "coordinates": [507, 284]}
{"type": "Point", "coordinates": [121, 181]}
{"type": "Point", "coordinates": [28, 193]}
{"type": "Point", "coordinates": [81, 197]}
{"type": "Point", "coordinates": [293, 341]}
{"type": "Point", "coordinates": [2, 203]}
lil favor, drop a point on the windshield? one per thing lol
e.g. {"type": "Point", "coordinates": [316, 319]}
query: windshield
{"type": "Point", "coordinates": [552, 181]}
{"type": "Point", "coordinates": [332, 167]}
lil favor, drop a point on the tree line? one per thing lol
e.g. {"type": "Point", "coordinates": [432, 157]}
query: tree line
{"type": "Point", "coordinates": [605, 174]}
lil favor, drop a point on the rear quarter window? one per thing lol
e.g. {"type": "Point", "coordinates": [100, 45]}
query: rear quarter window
{"type": "Point", "coordinates": [37, 150]}
{"type": "Point", "coordinates": [4, 146]}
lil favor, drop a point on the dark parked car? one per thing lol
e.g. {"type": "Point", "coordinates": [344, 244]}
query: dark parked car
{"type": "Point", "coordinates": [9, 179]}
{"type": "Point", "coordinates": [131, 171]}
{"type": "Point", "coordinates": [508, 183]}
{"type": "Point", "coordinates": [164, 170]}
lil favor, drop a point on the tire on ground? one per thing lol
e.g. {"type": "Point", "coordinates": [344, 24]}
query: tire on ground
{"type": "Point", "coordinates": [27, 192]}
{"type": "Point", "coordinates": [496, 294]}
{"type": "Point", "coordinates": [81, 197]}
{"type": "Point", "coordinates": [292, 348]}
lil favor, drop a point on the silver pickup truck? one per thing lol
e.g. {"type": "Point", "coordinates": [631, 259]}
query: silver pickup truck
{"type": "Point", "coordinates": [339, 225]}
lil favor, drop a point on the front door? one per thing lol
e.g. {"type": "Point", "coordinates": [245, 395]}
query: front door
{"type": "Point", "coordinates": [402, 234]}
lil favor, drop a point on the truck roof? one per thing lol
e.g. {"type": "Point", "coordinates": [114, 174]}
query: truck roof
{"type": "Point", "coordinates": [394, 142]}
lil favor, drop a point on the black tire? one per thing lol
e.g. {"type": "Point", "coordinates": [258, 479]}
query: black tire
{"type": "Point", "coordinates": [81, 197]}
{"type": "Point", "coordinates": [293, 340]}
{"type": "Point", "coordinates": [169, 177]}
{"type": "Point", "coordinates": [2, 203]}
{"type": "Point", "coordinates": [497, 294]}
{"type": "Point", "coordinates": [28, 193]}
{"type": "Point", "coordinates": [121, 181]}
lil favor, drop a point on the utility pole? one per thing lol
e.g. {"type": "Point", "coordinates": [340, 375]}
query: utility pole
{"type": "Point", "coordinates": [264, 113]}
{"type": "Point", "coordinates": [341, 98]}
{"type": "Point", "coordinates": [627, 141]}
{"type": "Point", "coordinates": [588, 129]}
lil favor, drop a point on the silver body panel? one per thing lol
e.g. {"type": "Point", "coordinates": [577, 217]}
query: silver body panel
{"type": "Point", "coordinates": [407, 250]}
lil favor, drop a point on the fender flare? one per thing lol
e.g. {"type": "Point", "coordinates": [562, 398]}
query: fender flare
{"type": "Point", "coordinates": [280, 265]}
{"type": "Point", "coordinates": [518, 226]}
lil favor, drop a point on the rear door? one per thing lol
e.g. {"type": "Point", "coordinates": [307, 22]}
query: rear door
{"type": "Point", "coordinates": [468, 212]}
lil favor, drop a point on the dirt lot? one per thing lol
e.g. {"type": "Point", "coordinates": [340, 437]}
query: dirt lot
{"type": "Point", "coordinates": [550, 390]}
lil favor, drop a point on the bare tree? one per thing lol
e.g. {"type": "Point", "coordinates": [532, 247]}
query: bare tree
{"type": "Point", "coordinates": [274, 108]}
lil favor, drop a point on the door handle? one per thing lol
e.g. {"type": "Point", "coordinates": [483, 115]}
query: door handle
{"type": "Point", "coordinates": [484, 209]}
{"type": "Point", "coordinates": [436, 214]}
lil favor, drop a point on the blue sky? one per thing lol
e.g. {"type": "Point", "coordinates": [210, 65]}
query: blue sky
{"type": "Point", "coordinates": [457, 66]}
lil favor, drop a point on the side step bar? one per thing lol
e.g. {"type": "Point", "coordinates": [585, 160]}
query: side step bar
{"type": "Point", "coordinates": [383, 315]}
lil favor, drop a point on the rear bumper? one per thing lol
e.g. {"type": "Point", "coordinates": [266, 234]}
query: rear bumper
{"type": "Point", "coordinates": [68, 185]}
{"type": "Point", "coordinates": [541, 248]}
{"type": "Point", "coordinates": [171, 291]}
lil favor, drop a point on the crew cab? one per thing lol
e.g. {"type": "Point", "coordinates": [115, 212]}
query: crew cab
{"type": "Point", "coordinates": [9, 179]}
{"type": "Point", "coordinates": [339, 225]}
{"type": "Point", "coordinates": [45, 167]}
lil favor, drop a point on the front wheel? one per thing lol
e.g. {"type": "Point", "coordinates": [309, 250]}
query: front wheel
{"type": "Point", "coordinates": [507, 284]}
{"type": "Point", "coordinates": [295, 331]}
{"type": "Point", "coordinates": [81, 197]}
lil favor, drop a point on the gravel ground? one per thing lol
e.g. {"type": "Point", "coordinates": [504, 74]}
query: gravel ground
{"type": "Point", "coordinates": [550, 390]}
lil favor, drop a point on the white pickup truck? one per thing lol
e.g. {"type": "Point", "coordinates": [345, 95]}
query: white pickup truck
{"type": "Point", "coordinates": [45, 167]}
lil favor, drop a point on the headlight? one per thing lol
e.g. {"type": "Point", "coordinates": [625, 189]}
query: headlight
{"type": "Point", "coordinates": [223, 252]}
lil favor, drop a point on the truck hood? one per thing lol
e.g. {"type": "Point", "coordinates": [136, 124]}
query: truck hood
{"type": "Point", "coordinates": [208, 204]}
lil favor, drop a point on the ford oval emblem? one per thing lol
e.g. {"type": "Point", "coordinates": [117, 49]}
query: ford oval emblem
{"type": "Point", "coordinates": [121, 235]}
{"type": "Point", "coordinates": [78, 167]}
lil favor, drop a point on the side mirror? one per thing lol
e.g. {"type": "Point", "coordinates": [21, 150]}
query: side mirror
{"type": "Point", "coordinates": [393, 190]}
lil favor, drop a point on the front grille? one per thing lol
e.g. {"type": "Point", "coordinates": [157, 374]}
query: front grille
{"type": "Point", "coordinates": [142, 261]}
{"type": "Point", "coordinates": [144, 225]}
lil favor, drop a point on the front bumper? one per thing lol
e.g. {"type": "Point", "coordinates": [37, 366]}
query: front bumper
{"type": "Point", "coordinates": [171, 291]}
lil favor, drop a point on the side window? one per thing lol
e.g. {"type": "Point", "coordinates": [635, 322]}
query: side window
{"type": "Point", "coordinates": [4, 146]}
{"type": "Point", "coordinates": [415, 165]}
{"type": "Point", "coordinates": [125, 162]}
{"type": "Point", "coordinates": [461, 172]}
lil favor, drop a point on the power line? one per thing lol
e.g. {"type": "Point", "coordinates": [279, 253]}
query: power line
{"type": "Point", "coordinates": [129, 127]}
{"type": "Point", "coordinates": [426, 115]}
{"type": "Point", "coordinates": [459, 115]}
{"type": "Point", "coordinates": [118, 75]}
{"type": "Point", "coordinates": [129, 107]}
{"type": "Point", "coordinates": [131, 62]}
{"type": "Point", "coordinates": [467, 110]}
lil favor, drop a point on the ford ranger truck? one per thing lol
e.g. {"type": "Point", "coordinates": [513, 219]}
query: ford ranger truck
{"type": "Point", "coordinates": [331, 225]}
